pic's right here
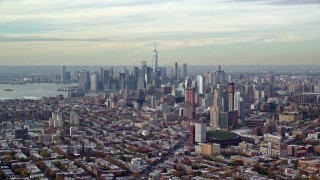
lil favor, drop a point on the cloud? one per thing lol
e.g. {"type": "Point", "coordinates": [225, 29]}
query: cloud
{"type": "Point", "coordinates": [134, 25]}
{"type": "Point", "coordinates": [278, 2]}
{"type": "Point", "coordinates": [44, 39]}
{"type": "Point", "coordinates": [296, 2]}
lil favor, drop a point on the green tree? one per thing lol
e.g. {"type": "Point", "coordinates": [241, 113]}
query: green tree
{"type": "Point", "coordinates": [88, 159]}
{"type": "Point", "coordinates": [99, 147]}
{"type": "Point", "coordinates": [122, 157]}
{"type": "Point", "coordinates": [260, 169]}
{"type": "Point", "coordinates": [198, 173]}
{"type": "Point", "coordinates": [17, 171]}
{"type": "Point", "coordinates": [24, 173]}
{"type": "Point", "coordinates": [236, 163]}
{"type": "Point", "coordinates": [194, 166]}
{"type": "Point", "coordinates": [58, 164]}
{"type": "Point", "coordinates": [44, 153]}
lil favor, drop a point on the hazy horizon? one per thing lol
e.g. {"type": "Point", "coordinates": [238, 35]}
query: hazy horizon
{"type": "Point", "coordinates": [192, 69]}
{"type": "Point", "coordinates": [165, 65]}
{"type": "Point", "coordinates": [98, 32]}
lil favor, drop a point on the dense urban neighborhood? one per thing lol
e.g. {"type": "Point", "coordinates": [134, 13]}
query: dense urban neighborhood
{"type": "Point", "coordinates": [145, 124]}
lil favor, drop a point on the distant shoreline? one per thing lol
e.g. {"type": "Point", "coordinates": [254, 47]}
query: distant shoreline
{"type": "Point", "coordinates": [33, 90]}
{"type": "Point", "coordinates": [192, 69]}
{"type": "Point", "coordinates": [159, 65]}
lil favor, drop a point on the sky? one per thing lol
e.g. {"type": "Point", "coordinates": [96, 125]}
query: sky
{"type": "Point", "coordinates": [123, 32]}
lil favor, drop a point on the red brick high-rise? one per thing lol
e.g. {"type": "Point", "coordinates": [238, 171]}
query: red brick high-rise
{"type": "Point", "coordinates": [190, 103]}
{"type": "Point", "coordinates": [190, 108]}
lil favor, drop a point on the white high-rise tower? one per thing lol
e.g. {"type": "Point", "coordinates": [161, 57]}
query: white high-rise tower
{"type": "Point", "coordinates": [155, 59]}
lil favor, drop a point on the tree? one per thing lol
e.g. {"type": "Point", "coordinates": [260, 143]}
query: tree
{"type": "Point", "coordinates": [51, 174]}
{"type": "Point", "coordinates": [2, 175]}
{"type": "Point", "coordinates": [63, 168]}
{"type": "Point", "coordinates": [236, 163]}
{"type": "Point", "coordinates": [17, 171]}
{"type": "Point", "coordinates": [44, 153]}
{"type": "Point", "coordinates": [260, 169]}
{"type": "Point", "coordinates": [122, 157]}
{"type": "Point", "coordinates": [128, 159]}
{"type": "Point", "coordinates": [198, 173]}
{"type": "Point", "coordinates": [194, 166]}
{"type": "Point", "coordinates": [24, 173]}
{"type": "Point", "coordinates": [88, 159]}
{"type": "Point", "coordinates": [99, 146]}
{"type": "Point", "coordinates": [58, 164]}
{"type": "Point", "coordinates": [228, 174]}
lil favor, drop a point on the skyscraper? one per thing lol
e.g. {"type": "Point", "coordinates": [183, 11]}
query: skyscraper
{"type": "Point", "coordinates": [215, 109]}
{"type": "Point", "coordinates": [190, 103]}
{"type": "Point", "coordinates": [213, 79]}
{"type": "Point", "coordinates": [237, 98]}
{"type": "Point", "coordinates": [94, 82]}
{"type": "Point", "coordinates": [101, 78]}
{"type": "Point", "coordinates": [143, 68]}
{"type": "Point", "coordinates": [106, 80]}
{"type": "Point", "coordinates": [64, 74]}
{"type": "Point", "coordinates": [239, 105]}
{"type": "Point", "coordinates": [220, 75]}
{"type": "Point", "coordinates": [111, 72]}
{"type": "Point", "coordinates": [175, 70]}
{"type": "Point", "coordinates": [271, 79]}
{"type": "Point", "coordinates": [141, 83]}
{"type": "Point", "coordinates": [131, 83]}
{"type": "Point", "coordinates": [184, 71]}
{"type": "Point", "coordinates": [230, 96]}
{"type": "Point", "coordinates": [84, 81]}
{"type": "Point", "coordinates": [229, 78]}
{"type": "Point", "coordinates": [147, 75]}
{"type": "Point", "coordinates": [163, 71]}
{"type": "Point", "coordinates": [228, 120]}
{"type": "Point", "coordinates": [75, 75]}
{"type": "Point", "coordinates": [249, 93]}
{"type": "Point", "coordinates": [190, 95]}
{"type": "Point", "coordinates": [192, 133]}
{"type": "Point", "coordinates": [155, 59]}
{"type": "Point", "coordinates": [136, 72]}
{"type": "Point", "coordinates": [122, 81]}
{"type": "Point", "coordinates": [200, 132]}
{"type": "Point", "coordinates": [199, 84]}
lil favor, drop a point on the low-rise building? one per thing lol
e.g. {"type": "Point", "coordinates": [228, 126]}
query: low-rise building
{"type": "Point", "coordinates": [210, 149]}
{"type": "Point", "coordinates": [271, 145]}
{"type": "Point", "coordinates": [290, 116]}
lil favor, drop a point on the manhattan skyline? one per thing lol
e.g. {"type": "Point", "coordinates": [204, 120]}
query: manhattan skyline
{"type": "Point", "coordinates": [255, 32]}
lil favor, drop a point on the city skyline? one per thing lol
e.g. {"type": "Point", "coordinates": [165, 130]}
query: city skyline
{"type": "Point", "coordinates": [197, 33]}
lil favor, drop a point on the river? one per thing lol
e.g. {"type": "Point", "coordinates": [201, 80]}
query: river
{"type": "Point", "coordinates": [32, 91]}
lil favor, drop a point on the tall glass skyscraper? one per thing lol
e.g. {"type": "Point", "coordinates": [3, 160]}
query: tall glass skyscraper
{"type": "Point", "coordinates": [155, 59]}
{"type": "Point", "coordinates": [64, 74]}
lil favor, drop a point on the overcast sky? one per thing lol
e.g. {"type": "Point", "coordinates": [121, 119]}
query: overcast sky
{"type": "Point", "coordinates": [116, 32]}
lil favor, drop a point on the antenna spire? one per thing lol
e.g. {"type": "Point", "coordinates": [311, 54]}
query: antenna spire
{"type": "Point", "coordinates": [155, 46]}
